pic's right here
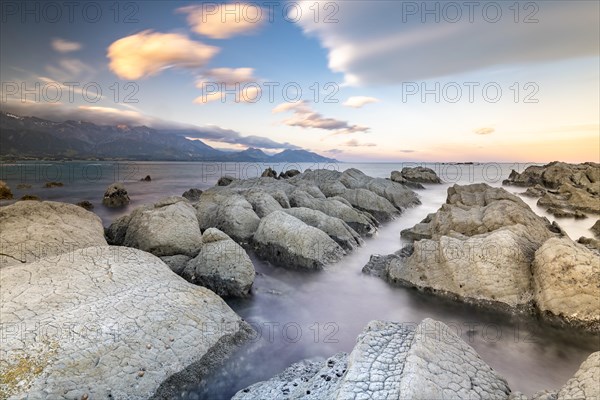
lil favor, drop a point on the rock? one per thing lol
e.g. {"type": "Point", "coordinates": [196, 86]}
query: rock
{"type": "Point", "coordinates": [289, 174]}
{"type": "Point", "coordinates": [33, 229]}
{"type": "Point", "coordinates": [596, 228]}
{"type": "Point", "coordinates": [396, 176]}
{"type": "Point", "coordinates": [366, 200]}
{"type": "Point", "coordinates": [478, 247]}
{"type": "Point", "coordinates": [420, 175]}
{"type": "Point", "coordinates": [560, 213]}
{"type": "Point", "coordinates": [228, 212]}
{"type": "Point", "coordinates": [390, 361]}
{"type": "Point", "coordinates": [269, 173]}
{"type": "Point", "coordinates": [116, 196]}
{"type": "Point", "coordinates": [147, 178]}
{"type": "Point", "coordinates": [536, 191]}
{"type": "Point", "coordinates": [570, 197]}
{"type": "Point", "coordinates": [566, 282]}
{"type": "Point", "coordinates": [53, 184]}
{"type": "Point", "coordinates": [289, 242]}
{"type": "Point", "coordinates": [262, 203]}
{"type": "Point", "coordinates": [590, 243]}
{"type": "Point", "coordinates": [572, 186]}
{"type": "Point", "coordinates": [5, 192]}
{"type": "Point", "coordinates": [192, 195]}
{"type": "Point", "coordinates": [86, 205]}
{"type": "Point", "coordinates": [177, 263]}
{"type": "Point", "coordinates": [485, 269]}
{"type": "Point", "coordinates": [166, 228]}
{"type": "Point", "coordinates": [225, 180]}
{"type": "Point", "coordinates": [361, 222]}
{"type": "Point", "coordinates": [22, 186]}
{"type": "Point", "coordinates": [222, 266]}
{"type": "Point", "coordinates": [337, 229]}
{"type": "Point", "coordinates": [584, 384]}
{"type": "Point", "coordinates": [106, 314]}
{"type": "Point", "coordinates": [30, 197]}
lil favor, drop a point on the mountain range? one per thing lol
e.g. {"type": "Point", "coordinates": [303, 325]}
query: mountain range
{"type": "Point", "coordinates": [32, 137]}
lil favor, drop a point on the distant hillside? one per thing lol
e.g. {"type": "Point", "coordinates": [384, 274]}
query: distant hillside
{"type": "Point", "coordinates": [31, 137]}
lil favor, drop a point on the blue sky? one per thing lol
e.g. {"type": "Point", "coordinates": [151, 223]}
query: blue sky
{"type": "Point", "coordinates": [370, 59]}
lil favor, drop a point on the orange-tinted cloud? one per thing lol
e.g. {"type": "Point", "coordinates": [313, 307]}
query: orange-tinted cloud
{"type": "Point", "coordinates": [222, 21]}
{"type": "Point", "coordinates": [147, 53]}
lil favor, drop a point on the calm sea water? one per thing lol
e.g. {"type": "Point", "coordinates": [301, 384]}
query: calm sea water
{"type": "Point", "coordinates": [299, 315]}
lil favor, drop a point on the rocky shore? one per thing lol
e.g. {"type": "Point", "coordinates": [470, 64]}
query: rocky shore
{"type": "Point", "coordinates": [486, 246]}
{"type": "Point", "coordinates": [396, 361]}
{"type": "Point", "coordinates": [135, 310]}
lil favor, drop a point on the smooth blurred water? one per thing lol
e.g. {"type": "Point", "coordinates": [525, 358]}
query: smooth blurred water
{"type": "Point", "coordinates": [299, 314]}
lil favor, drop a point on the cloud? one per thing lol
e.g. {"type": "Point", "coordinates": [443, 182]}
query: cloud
{"type": "Point", "coordinates": [305, 117]}
{"type": "Point", "coordinates": [387, 44]}
{"type": "Point", "coordinates": [359, 101]}
{"type": "Point", "coordinates": [355, 143]}
{"type": "Point", "coordinates": [334, 151]}
{"type": "Point", "coordinates": [217, 134]}
{"type": "Point", "coordinates": [147, 53]}
{"type": "Point", "coordinates": [114, 116]}
{"type": "Point", "coordinates": [70, 70]}
{"type": "Point", "coordinates": [65, 46]}
{"type": "Point", "coordinates": [484, 131]}
{"type": "Point", "coordinates": [218, 84]}
{"type": "Point", "coordinates": [222, 21]}
{"type": "Point", "coordinates": [406, 151]}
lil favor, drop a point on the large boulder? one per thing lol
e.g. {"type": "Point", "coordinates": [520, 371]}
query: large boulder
{"type": "Point", "coordinates": [263, 203]}
{"type": "Point", "coordinates": [337, 229]}
{"type": "Point", "coordinates": [390, 361]}
{"type": "Point", "coordinates": [167, 228]}
{"type": "Point", "coordinates": [116, 196]}
{"type": "Point", "coordinates": [289, 242]}
{"type": "Point", "coordinates": [221, 266]}
{"type": "Point", "coordinates": [109, 322]}
{"type": "Point", "coordinates": [596, 228]}
{"type": "Point", "coordinates": [370, 202]}
{"type": "Point", "coordinates": [361, 222]}
{"type": "Point", "coordinates": [229, 212]}
{"type": "Point", "coordinates": [32, 230]}
{"type": "Point", "coordinates": [566, 282]}
{"type": "Point", "coordinates": [5, 192]}
{"type": "Point", "coordinates": [419, 175]}
{"type": "Point", "coordinates": [478, 247]}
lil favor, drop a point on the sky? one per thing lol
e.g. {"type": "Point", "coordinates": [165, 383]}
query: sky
{"type": "Point", "coordinates": [353, 80]}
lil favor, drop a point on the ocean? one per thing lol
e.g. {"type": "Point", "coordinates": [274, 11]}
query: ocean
{"type": "Point", "coordinates": [301, 315]}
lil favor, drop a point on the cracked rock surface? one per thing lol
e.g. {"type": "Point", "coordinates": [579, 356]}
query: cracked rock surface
{"type": "Point", "coordinates": [287, 240]}
{"type": "Point", "coordinates": [35, 229]}
{"type": "Point", "coordinates": [166, 228]}
{"type": "Point", "coordinates": [222, 266]}
{"type": "Point", "coordinates": [390, 361]}
{"type": "Point", "coordinates": [108, 322]}
{"type": "Point", "coordinates": [566, 281]}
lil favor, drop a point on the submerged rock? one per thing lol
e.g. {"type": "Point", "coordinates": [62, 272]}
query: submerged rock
{"type": "Point", "coordinates": [35, 229]}
{"type": "Point", "coordinates": [30, 197]}
{"type": "Point", "coordinates": [115, 322]}
{"type": "Point", "coordinates": [166, 228]}
{"type": "Point", "coordinates": [390, 361]}
{"type": "Point", "coordinates": [221, 266]}
{"type": "Point", "coordinates": [147, 178]}
{"type": "Point", "coordinates": [116, 196]}
{"type": "Point", "coordinates": [49, 185]}
{"type": "Point", "coordinates": [560, 213]}
{"type": "Point", "coordinates": [289, 242]}
{"type": "Point", "coordinates": [5, 192]}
